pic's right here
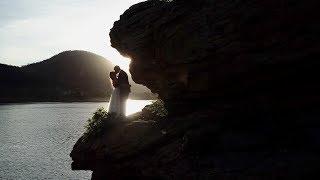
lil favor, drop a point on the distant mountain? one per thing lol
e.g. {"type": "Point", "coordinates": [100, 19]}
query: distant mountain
{"type": "Point", "coordinates": [67, 76]}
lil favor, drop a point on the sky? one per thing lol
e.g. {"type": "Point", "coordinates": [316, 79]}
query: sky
{"type": "Point", "coordinates": [35, 30]}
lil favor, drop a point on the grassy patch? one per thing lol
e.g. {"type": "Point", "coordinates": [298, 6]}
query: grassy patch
{"type": "Point", "coordinates": [100, 122]}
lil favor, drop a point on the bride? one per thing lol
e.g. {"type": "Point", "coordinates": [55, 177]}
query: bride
{"type": "Point", "coordinates": [114, 104]}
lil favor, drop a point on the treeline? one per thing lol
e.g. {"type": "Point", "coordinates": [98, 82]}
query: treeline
{"type": "Point", "coordinates": [68, 76]}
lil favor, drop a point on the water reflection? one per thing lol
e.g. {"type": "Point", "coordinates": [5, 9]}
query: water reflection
{"type": "Point", "coordinates": [36, 138]}
{"type": "Point", "coordinates": [134, 106]}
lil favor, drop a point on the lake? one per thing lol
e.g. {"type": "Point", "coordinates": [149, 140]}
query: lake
{"type": "Point", "coordinates": [37, 138]}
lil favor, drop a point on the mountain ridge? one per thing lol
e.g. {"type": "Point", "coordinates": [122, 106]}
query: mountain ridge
{"type": "Point", "coordinates": [68, 76]}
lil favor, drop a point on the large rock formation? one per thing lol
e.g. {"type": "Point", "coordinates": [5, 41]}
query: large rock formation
{"type": "Point", "coordinates": [213, 50]}
{"type": "Point", "coordinates": [240, 82]}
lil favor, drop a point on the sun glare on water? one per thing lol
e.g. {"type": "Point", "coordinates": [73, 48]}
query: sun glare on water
{"type": "Point", "coordinates": [134, 106]}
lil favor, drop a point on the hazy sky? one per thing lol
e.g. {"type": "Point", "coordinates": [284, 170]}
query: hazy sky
{"type": "Point", "coordinates": [34, 30]}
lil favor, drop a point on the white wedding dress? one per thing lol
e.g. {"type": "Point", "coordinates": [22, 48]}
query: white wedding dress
{"type": "Point", "coordinates": [114, 103]}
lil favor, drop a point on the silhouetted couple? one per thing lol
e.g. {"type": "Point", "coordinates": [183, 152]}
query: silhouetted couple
{"type": "Point", "coordinates": [120, 92]}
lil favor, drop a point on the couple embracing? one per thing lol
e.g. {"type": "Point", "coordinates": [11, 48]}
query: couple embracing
{"type": "Point", "coordinates": [120, 93]}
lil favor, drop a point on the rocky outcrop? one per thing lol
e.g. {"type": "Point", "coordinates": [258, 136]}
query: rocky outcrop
{"type": "Point", "coordinates": [200, 146]}
{"type": "Point", "coordinates": [239, 79]}
{"type": "Point", "coordinates": [217, 50]}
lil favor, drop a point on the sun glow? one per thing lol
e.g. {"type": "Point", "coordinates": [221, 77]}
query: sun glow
{"type": "Point", "coordinates": [123, 62]}
{"type": "Point", "coordinates": [65, 25]}
{"type": "Point", "coordinates": [133, 106]}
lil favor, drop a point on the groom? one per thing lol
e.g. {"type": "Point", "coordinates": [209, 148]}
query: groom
{"type": "Point", "coordinates": [123, 82]}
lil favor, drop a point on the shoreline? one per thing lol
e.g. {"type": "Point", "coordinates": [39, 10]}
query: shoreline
{"type": "Point", "coordinates": [63, 101]}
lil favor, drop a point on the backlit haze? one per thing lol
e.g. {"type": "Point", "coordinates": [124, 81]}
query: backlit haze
{"type": "Point", "coordinates": [35, 30]}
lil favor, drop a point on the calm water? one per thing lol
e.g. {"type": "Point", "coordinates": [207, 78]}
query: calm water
{"type": "Point", "coordinates": [36, 139]}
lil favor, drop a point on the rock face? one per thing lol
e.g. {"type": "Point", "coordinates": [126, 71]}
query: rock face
{"type": "Point", "coordinates": [213, 50]}
{"type": "Point", "coordinates": [240, 82]}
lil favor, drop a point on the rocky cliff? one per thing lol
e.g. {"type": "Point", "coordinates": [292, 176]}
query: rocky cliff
{"type": "Point", "coordinates": [218, 50]}
{"type": "Point", "coordinates": [240, 82]}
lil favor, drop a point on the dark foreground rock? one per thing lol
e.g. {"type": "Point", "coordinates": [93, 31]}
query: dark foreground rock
{"type": "Point", "coordinates": [240, 82]}
{"type": "Point", "coordinates": [202, 145]}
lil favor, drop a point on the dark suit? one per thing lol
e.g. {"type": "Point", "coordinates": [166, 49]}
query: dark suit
{"type": "Point", "coordinates": [124, 86]}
